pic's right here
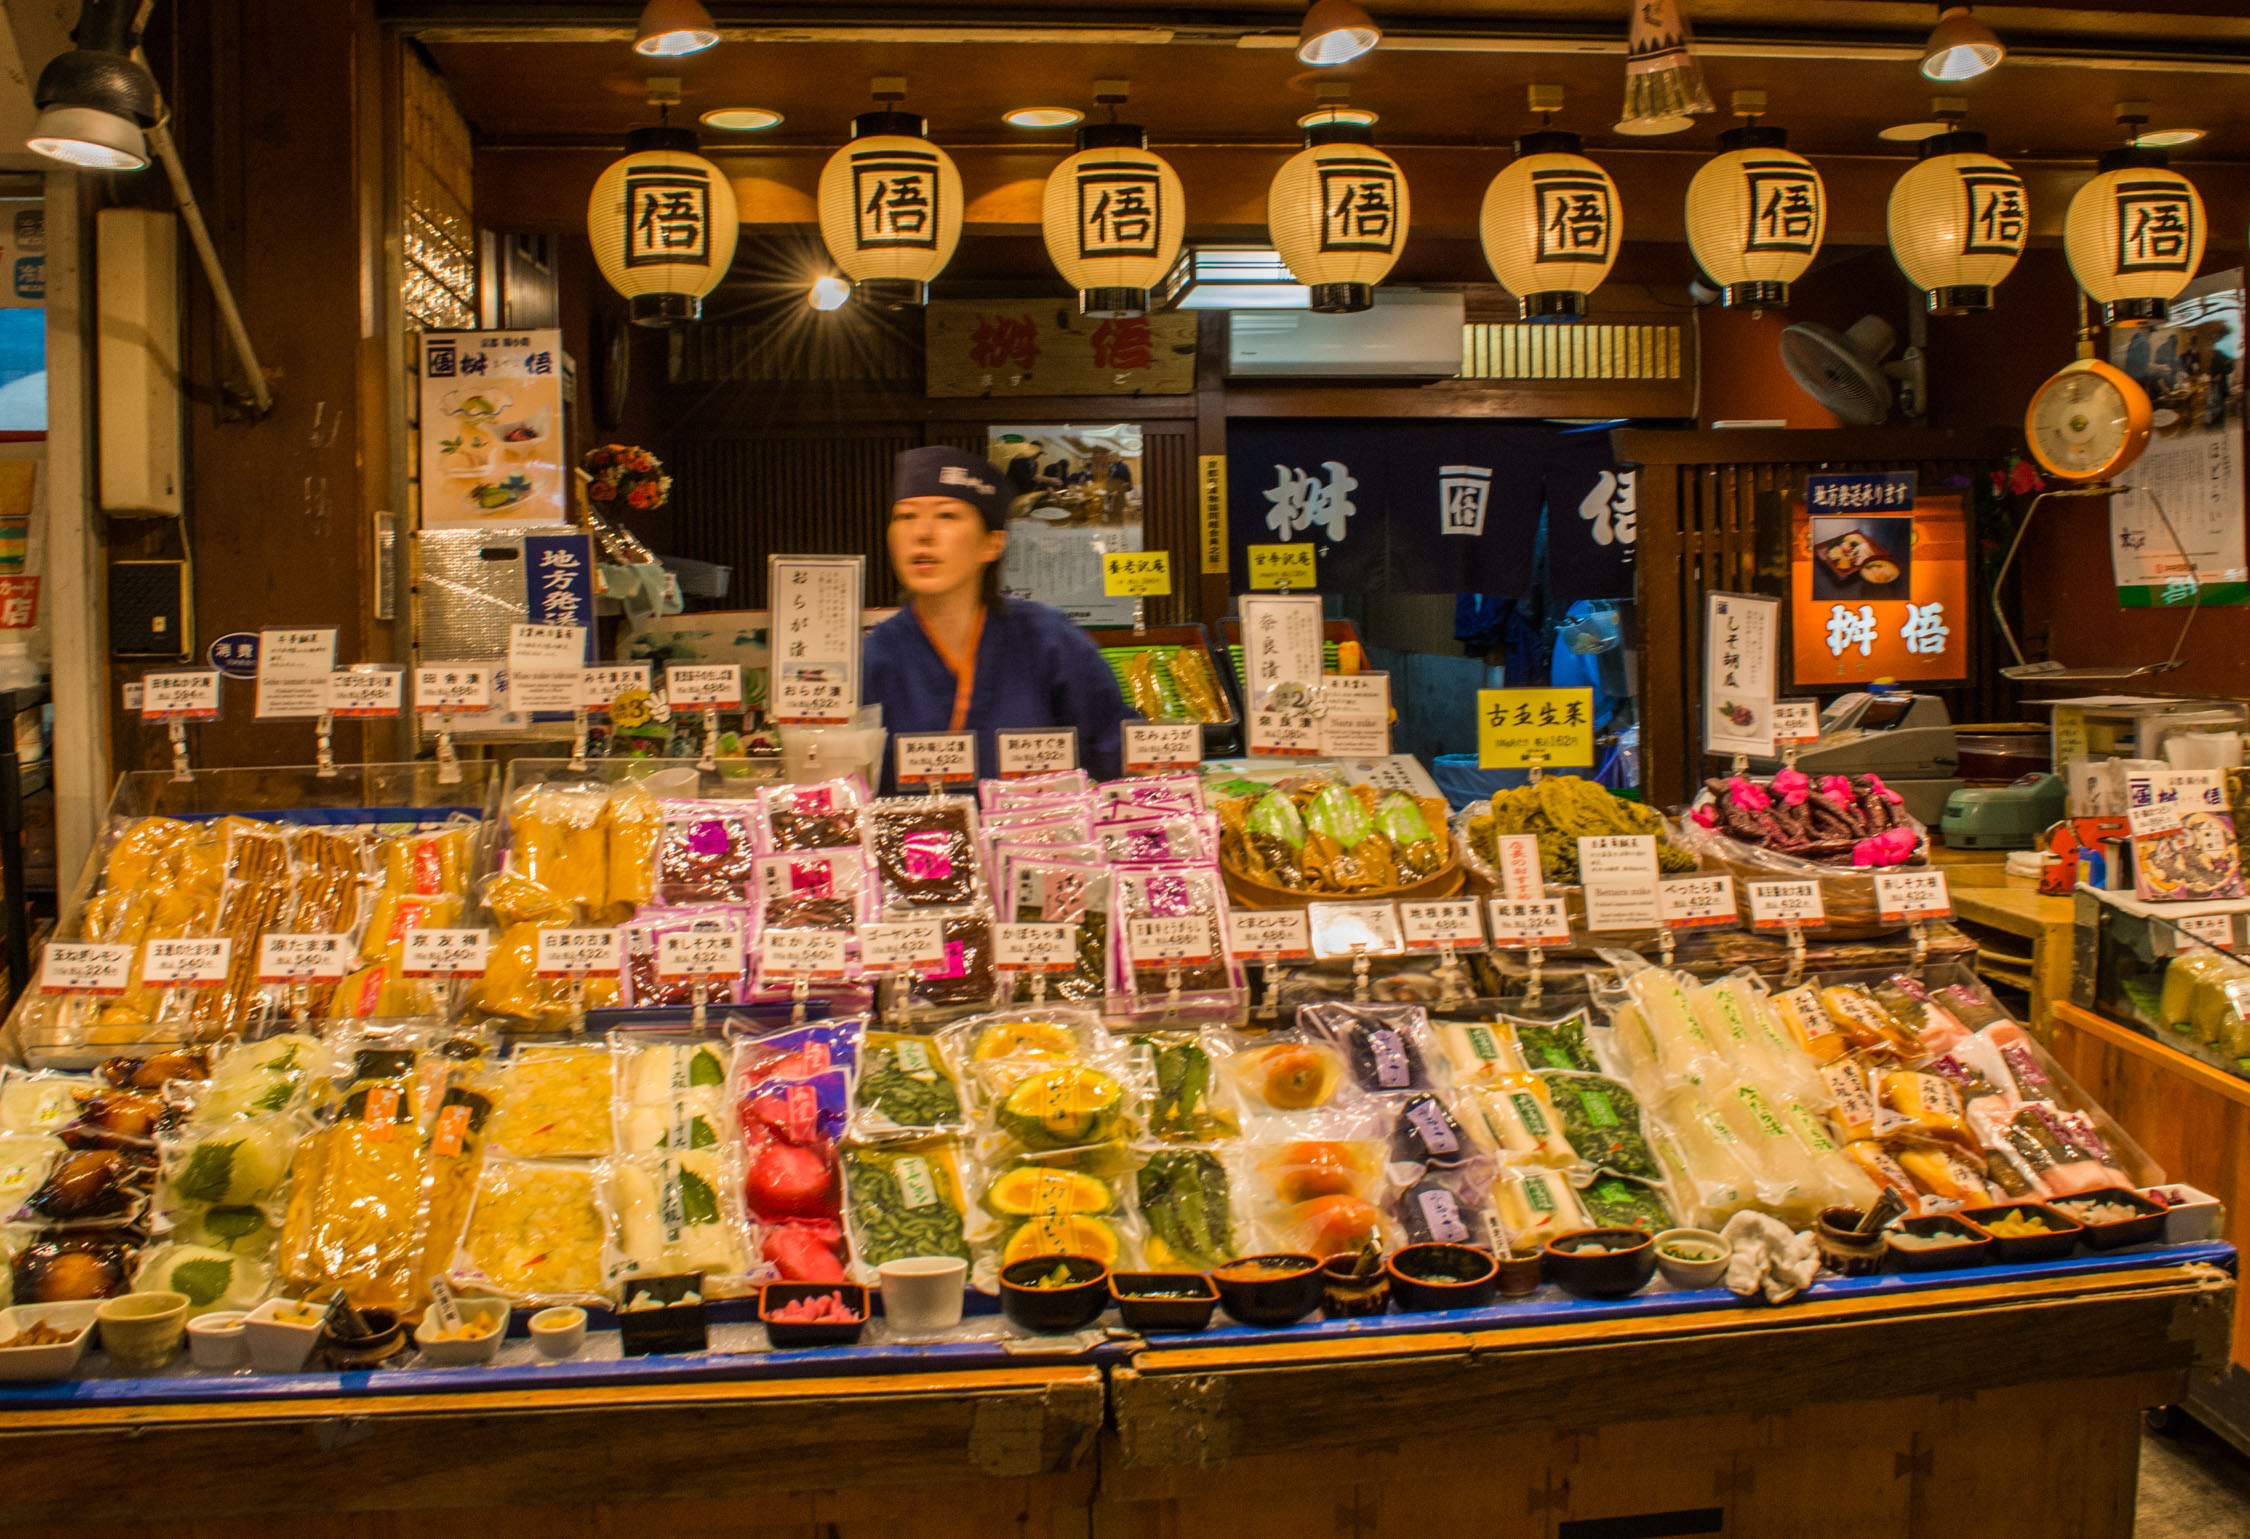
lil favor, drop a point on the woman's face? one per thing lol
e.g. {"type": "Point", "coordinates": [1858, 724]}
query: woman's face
{"type": "Point", "coordinates": [940, 544]}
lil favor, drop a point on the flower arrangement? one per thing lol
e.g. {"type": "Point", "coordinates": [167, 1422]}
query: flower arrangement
{"type": "Point", "coordinates": [625, 477]}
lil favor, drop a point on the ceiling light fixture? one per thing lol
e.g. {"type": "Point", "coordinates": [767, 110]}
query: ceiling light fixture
{"type": "Point", "coordinates": [1366, 117]}
{"type": "Point", "coordinates": [1960, 46]}
{"type": "Point", "coordinates": [1336, 32]}
{"type": "Point", "coordinates": [829, 292]}
{"type": "Point", "coordinates": [740, 120]}
{"type": "Point", "coordinates": [1045, 117]}
{"type": "Point", "coordinates": [1946, 113]}
{"type": "Point", "coordinates": [671, 28]}
{"type": "Point", "coordinates": [1650, 128]}
{"type": "Point", "coordinates": [2166, 138]}
{"type": "Point", "coordinates": [95, 100]}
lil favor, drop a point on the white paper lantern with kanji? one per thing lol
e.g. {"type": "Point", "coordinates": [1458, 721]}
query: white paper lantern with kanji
{"type": "Point", "coordinates": [1755, 217]}
{"type": "Point", "coordinates": [890, 208]}
{"type": "Point", "coordinates": [1550, 227]}
{"type": "Point", "coordinates": [663, 226]}
{"type": "Point", "coordinates": [1338, 214]}
{"type": "Point", "coordinates": [1958, 222]}
{"type": "Point", "coordinates": [1112, 219]}
{"type": "Point", "coordinates": [2134, 236]}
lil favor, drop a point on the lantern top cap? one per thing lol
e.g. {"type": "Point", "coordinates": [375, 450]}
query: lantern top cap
{"type": "Point", "coordinates": [1548, 141]}
{"type": "Point", "coordinates": [2128, 157]}
{"type": "Point", "coordinates": [1754, 136]}
{"type": "Point", "coordinates": [1112, 136]}
{"type": "Point", "coordinates": [906, 125]}
{"type": "Point", "coordinates": [1959, 141]}
{"type": "Point", "coordinates": [676, 141]}
{"type": "Point", "coordinates": [1339, 131]}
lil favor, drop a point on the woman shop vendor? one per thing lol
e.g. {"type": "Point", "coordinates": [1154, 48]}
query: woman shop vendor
{"type": "Point", "coordinates": [958, 657]}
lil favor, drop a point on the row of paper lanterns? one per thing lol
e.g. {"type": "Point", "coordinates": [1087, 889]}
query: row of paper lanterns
{"type": "Point", "coordinates": [663, 220]}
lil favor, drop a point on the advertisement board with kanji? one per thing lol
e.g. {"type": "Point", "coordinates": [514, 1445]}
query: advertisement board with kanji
{"type": "Point", "coordinates": [492, 429]}
{"type": "Point", "coordinates": [1553, 728]}
{"type": "Point", "coordinates": [1876, 592]}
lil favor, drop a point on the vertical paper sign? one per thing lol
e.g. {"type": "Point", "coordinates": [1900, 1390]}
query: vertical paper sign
{"type": "Point", "coordinates": [546, 667]}
{"type": "Point", "coordinates": [293, 669]}
{"type": "Point", "coordinates": [1355, 715]}
{"type": "Point", "coordinates": [815, 638]}
{"type": "Point", "coordinates": [1739, 637]}
{"type": "Point", "coordinates": [1280, 644]}
{"type": "Point", "coordinates": [492, 429]}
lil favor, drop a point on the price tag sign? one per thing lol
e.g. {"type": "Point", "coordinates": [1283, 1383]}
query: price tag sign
{"type": "Point", "coordinates": [1283, 566]}
{"type": "Point", "coordinates": [1283, 734]}
{"type": "Point", "coordinates": [703, 686]}
{"type": "Point", "coordinates": [1778, 905]}
{"type": "Point", "coordinates": [1795, 723]}
{"type": "Point", "coordinates": [713, 949]}
{"type": "Point", "coordinates": [1904, 896]}
{"type": "Point", "coordinates": [2216, 929]}
{"type": "Point", "coordinates": [1518, 864]}
{"type": "Point", "coordinates": [192, 696]}
{"type": "Point", "coordinates": [132, 698]}
{"type": "Point", "coordinates": [1697, 902]}
{"type": "Point", "coordinates": [1341, 930]}
{"type": "Point", "coordinates": [1632, 906]}
{"type": "Point", "coordinates": [785, 954]}
{"type": "Point", "coordinates": [814, 638]}
{"type": "Point", "coordinates": [447, 953]}
{"type": "Point", "coordinates": [915, 945]}
{"type": "Point", "coordinates": [293, 670]}
{"type": "Point", "coordinates": [1046, 752]}
{"type": "Point", "coordinates": [368, 692]}
{"type": "Point", "coordinates": [1355, 715]}
{"type": "Point", "coordinates": [935, 758]}
{"type": "Point", "coordinates": [602, 683]}
{"type": "Point", "coordinates": [1550, 727]}
{"type": "Point", "coordinates": [546, 667]}
{"type": "Point", "coordinates": [1138, 573]}
{"type": "Point", "coordinates": [1617, 860]}
{"type": "Point", "coordinates": [304, 958]}
{"type": "Point", "coordinates": [1281, 643]}
{"type": "Point", "coordinates": [1179, 938]}
{"type": "Point", "coordinates": [85, 967]}
{"type": "Point", "coordinates": [1037, 948]}
{"type": "Point", "coordinates": [1521, 923]}
{"type": "Point", "coordinates": [1270, 935]}
{"type": "Point", "coordinates": [579, 953]}
{"type": "Point", "coordinates": [1156, 748]}
{"type": "Point", "coordinates": [442, 687]}
{"type": "Point", "coordinates": [182, 963]}
{"type": "Point", "coordinates": [1441, 924]}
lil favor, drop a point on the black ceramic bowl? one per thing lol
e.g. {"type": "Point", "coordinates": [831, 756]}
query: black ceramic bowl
{"type": "Point", "coordinates": [1054, 1311]}
{"type": "Point", "coordinates": [387, 1334]}
{"type": "Point", "coordinates": [1967, 1244]}
{"type": "Point", "coordinates": [809, 1333]}
{"type": "Point", "coordinates": [2014, 1248]}
{"type": "Point", "coordinates": [1619, 1270]}
{"type": "Point", "coordinates": [1443, 1276]}
{"type": "Point", "coordinates": [1347, 1296]}
{"type": "Point", "coordinates": [2145, 1228]}
{"type": "Point", "coordinates": [1287, 1289]}
{"type": "Point", "coordinates": [1163, 1301]}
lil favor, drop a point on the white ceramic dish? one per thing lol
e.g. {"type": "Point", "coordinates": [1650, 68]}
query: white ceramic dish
{"type": "Point", "coordinates": [2190, 1214]}
{"type": "Point", "coordinates": [219, 1340]}
{"type": "Point", "coordinates": [922, 1294]}
{"type": "Point", "coordinates": [473, 1349]}
{"type": "Point", "coordinates": [24, 1365]}
{"type": "Point", "coordinates": [559, 1332]}
{"type": "Point", "coordinates": [278, 1346]}
{"type": "Point", "coordinates": [1693, 1274]}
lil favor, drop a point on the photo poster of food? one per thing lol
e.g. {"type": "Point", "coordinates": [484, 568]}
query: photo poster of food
{"type": "Point", "coordinates": [492, 429]}
{"type": "Point", "coordinates": [1074, 496]}
{"type": "Point", "coordinates": [2191, 368]}
{"type": "Point", "coordinates": [2183, 836]}
{"type": "Point", "coordinates": [1878, 594]}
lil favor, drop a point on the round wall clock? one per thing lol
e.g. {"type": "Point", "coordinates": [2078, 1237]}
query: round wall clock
{"type": "Point", "coordinates": [2087, 421]}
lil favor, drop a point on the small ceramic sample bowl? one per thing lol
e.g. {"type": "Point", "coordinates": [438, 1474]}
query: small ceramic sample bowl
{"type": "Point", "coordinates": [219, 1340]}
{"type": "Point", "coordinates": [1519, 1272]}
{"type": "Point", "coordinates": [51, 1360]}
{"type": "Point", "coordinates": [559, 1332]}
{"type": "Point", "coordinates": [1163, 1301]}
{"type": "Point", "coordinates": [1346, 1295]}
{"type": "Point", "coordinates": [142, 1332]}
{"type": "Point", "coordinates": [1270, 1290]}
{"type": "Point", "coordinates": [1061, 1307]}
{"type": "Point", "coordinates": [1440, 1275]}
{"type": "Point", "coordinates": [487, 1318]}
{"type": "Point", "coordinates": [1843, 1249]}
{"type": "Point", "coordinates": [2189, 1214]}
{"type": "Point", "coordinates": [385, 1337]}
{"type": "Point", "coordinates": [281, 1334]}
{"type": "Point", "coordinates": [1701, 1260]}
{"type": "Point", "coordinates": [1602, 1263]}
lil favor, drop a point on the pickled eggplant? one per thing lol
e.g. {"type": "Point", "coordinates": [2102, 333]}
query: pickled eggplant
{"type": "Point", "coordinates": [1431, 1211]}
{"type": "Point", "coordinates": [1427, 1134]}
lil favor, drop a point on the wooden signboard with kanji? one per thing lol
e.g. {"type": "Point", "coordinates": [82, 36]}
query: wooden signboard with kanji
{"type": "Point", "coordinates": [1044, 347]}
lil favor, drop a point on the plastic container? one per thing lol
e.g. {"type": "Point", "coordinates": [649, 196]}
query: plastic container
{"type": "Point", "coordinates": [2146, 1227]}
{"type": "Point", "coordinates": [922, 1294]}
{"type": "Point", "coordinates": [1185, 1304]}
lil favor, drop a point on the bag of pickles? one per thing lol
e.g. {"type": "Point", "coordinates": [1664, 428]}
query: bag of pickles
{"type": "Point", "coordinates": [905, 1199]}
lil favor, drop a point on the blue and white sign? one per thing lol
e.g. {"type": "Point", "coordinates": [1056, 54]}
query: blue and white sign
{"type": "Point", "coordinates": [235, 654]}
{"type": "Point", "coordinates": [558, 581]}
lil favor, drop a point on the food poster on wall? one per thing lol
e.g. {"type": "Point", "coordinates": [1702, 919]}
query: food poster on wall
{"type": "Point", "coordinates": [1074, 496]}
{"type": "Point", "coordinates": [492, 429]}
{"type": "Point", "coordinates": [1878, 594]}
{"type": "Point", "coordinates": [2191, 368]}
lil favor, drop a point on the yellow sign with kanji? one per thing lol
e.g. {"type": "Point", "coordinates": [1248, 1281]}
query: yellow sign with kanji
{"type": "Point", "coordinates": [1517, 728]}
{"type": "Point", "coordinates": [1137, 573]}
{"type": "Point", "coordinates": [1283, 566]}
{"type": "Point", "coordinates": [1211, 510]}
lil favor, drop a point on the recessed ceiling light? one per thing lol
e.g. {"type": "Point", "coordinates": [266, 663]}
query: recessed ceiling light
{"type": "Point", "coordinates": [741, 120]}
{"type": "Point", "coordinates": [1650, 128]}
{"type": "Point", "coordinates": [1913, 133]}
{"type": "Point", "coordinates": [2165, 138]}
{"type": "Point", "coordinates": [1362, 115]}
{"type": "Point", "coordinates": [1046, 117]}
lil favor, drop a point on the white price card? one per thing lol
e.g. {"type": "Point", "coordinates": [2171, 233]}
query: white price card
{"type": "Point", "coordinates": [1293, 733]}
{"type": "Point", "coordinates": [813, 639]}
{"type": "Point", "coordinates": [1281, 642]}
{"type": "Point", "coordinates": [1269, 935]}
{"type": "Point", "coordinates": [1039, 948]}
{"type": "Point", "coordinates": [1904, 896]}
{"type": "Point", "coordinates": [1176, 938]}
{"type": "Point", "coordinates": [447, 953]}
{"type": "Point", "coordinates": [703, 686]}
{"type": "Point", "coordinates": [601, 683]}
{"type": "Point", "coordinates": [1441, 924]}
{"type": "Point", "coordinates": [1778, 905]}
{"type": "Point", "coordinates": [702, 952]}
{"type": "Point", "coordinates": [1617, 860]}
{"type": "Point", "coordinates": [1615, 907]}
{"type": "Point", "coordinates": [1154, 748]}
{"type": "Point", "coordinates": [293, 670]}
{"type": "Point", "coordinates": [933, 758]}
{"type": "Point", "coordinates": [902, 945]}
{"type": "Point", "coordinates": [1516, 858]}
{"type": "Point", "coordinates": [1795, 723]}
{"type": "Point", "coordinates": [1049, 751]}
{"type": "Point", "coordinates": [1341, 930]}
{"type": "Point", "coordinates": [546, 667]}
{"type": "Point", "coordinates": [304, 958]}
{"type": "Point", "coordinates": [1355, 715]}
{"type": "Point", "coordinates": [1520, 923]}
{"type": "Point", "coordinates": [2215, 929]}
{"type": "Point", "coordinates": [192, 696]}
{"type": "Point", "coordinates": [132, 694]}
{"type": "Point", "coordinates": [1697, 902]}
{"type": "Point", "coordinates": [794, 954]}
{"type": "Point", "coordinates": [579, 953]}
{"type": "Point", "coordinates": [366, 691]}
{"type": "Point", "coordinates": [85, 967]}
{"type": "Point", "coordinates": [452, 687]}
{"type": "Point", "coordinates": [184, 962]}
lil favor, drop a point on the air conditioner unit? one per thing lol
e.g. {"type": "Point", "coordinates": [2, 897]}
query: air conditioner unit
{"type": "Point", "coordinates": [1410, 334]}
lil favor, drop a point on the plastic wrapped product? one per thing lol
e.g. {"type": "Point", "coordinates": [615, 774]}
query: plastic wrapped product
{"type": "Point", "coordinates": [816, 817]}
{"type": "Point", "coordinates": [659, 1073]}
{"type": "Point", "coordinates": [1713, 1168]}
{"type": "Point", "coordinates": [816, 890]}
{"type": "Point", "coordinates": [1445, 1206]}
{"type": "Point", "coordinates": [1676, 1040]}
{"type": "Point", "coordinates": [1040, 1107]}
{"type": "Point", "coordinates": [36, 1102]}
{"type": "Point", "coordinates": [97, 1187]}
{"type": "Point", "coordinates": [1944, 1173]}
{"type": "Point", "coordinates": [1933, 1026]}
{"type": "Point", "coordinates": [1300, 1170]}
{"type": "Point", "coordinates": [1057, 1206]}
{"type": "Point", "coordinates": [800, 1052]}
{"type": "Point", "coordinates": [554, 1103]}
{"type": "Point", "coordinates": [644, 988]}
{"type": "Point", "coordinates": [1192, 1103]}
{"type": "Point", "coordinates": [905, 1087]}
{"type": "Point", "coordinates": [24, 1160]}
{"type": "Point", "coordinates": [559, 838]}
{"type": "Point", "coordinates": [905, 1199]}
{"type": "Point", "coordinates": [1338, 1225]}
{"type": "Point", "coordinates": [118, 1119]}
{"type": "Point", "coordinates": [1973, 1007]}
{"type": "Point", "coordinates": [1601, 1117]}
{"type": "Point", "coordinates": [1866, 1025]}
{"type": "Point", "coordinates": [61, 1267]}
{"type": "Point", "coordinates": [429, 863]}
{"type": "Point", "coordinates": [1171, 893]}
{"type": "Point", "coordinates": [539, 1232]}
{"type": "Point", "coordinates": [968, 976]}
{"type": "Point", "coordinates": [1287, 1071]}
{"type": "Point", "coordinates": [1155, 841]}
{"type": "Point", "coordinates": [1535, 1205]}
{"type": "Point", "coordinates": [1881, 1166]}
{"type": "Point", "coordinates": [1522, 1119]}
{"type": "Point", "coordinates": [2060, 1150]}
{"type": "Point", "coordinates": [208, 1279]}
{"type": "Point", "coordinates": [1478, 1050]}
{"type": "Point", "coordinates": [1929, 1103]}
{"type": "Point", "coordinates": [675, 1213]}
{"type": "Point", "coordinates": [925, 849]}
{"type": "Point", "coordinates": [1263, 837]}
{"type": "Point", "coordinates": [1810, 1025]}
{"type": "Point", "coordinates": [1045, 891]}
{"type": "Point", "coordinates": [792, 1181]}
{"type": "Point", "coordinates": [1559, 1044]}
{"type": "Point", "coordinates": [1385, 1047]}
{"type": "Point", "coordinates": [706, 853]}
{"type": "Point", "coordinates": [232, 1165]}
{"type": "Point", "coordinates": [1425, 1132]}
{"type": "Point", "coordinates": [1187, 1204]}
{"type": "Point", "coordinates": [396, 913]}
{"type": "Point", "coordinates": [1622, 1203]}
{"type": "Point", "coordinates": [355, 1193]}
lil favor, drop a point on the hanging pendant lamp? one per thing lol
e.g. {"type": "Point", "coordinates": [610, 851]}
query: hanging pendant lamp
{"type": "Point", "coordinates": [1957, 222]}
{"type": "Point", "coordinates": [663, 225]}
{"type": "Point", "coordinates": [1338, 212]}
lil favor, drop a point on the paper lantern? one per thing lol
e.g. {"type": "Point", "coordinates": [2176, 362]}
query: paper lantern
{"type": "Point", "coordinates": [663, 225]}
{"type": "Point", "coordinates": [2134, 236]}
{"type": "Point", "coordinates": [1337, 212]}
{"type": "Point", "coordinates": [890, 208]}
{"type": "Point", "coordinates": [1112, 218]}
{"type": "Point", "coordinates": [1958, 221]}
{"type": "Point", "coordinates": [1755, 216]}
{"type": "Point", "coordinates": [1549, 227]}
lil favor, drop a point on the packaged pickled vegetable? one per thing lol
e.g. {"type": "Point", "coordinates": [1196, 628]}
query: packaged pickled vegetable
{"type": "Point", "coordinates": [355, 1192]}
{"type": "Point", "coordinates": [1535, 1205]}
{"type": "Point", "coordinates": [815, 817]}
{"type": "Point", "coordinates": [1301, 1170]}
{"type": "Point", "coordinates": [553, 1103]}
{"type": "Point", "coordinates": [208, 1279]}
{"type": "Point", "coordinates": [816, 890]}
{"type": "Point", "coordinates": [800, 1052]}
{"type": "Point", "coordinates": [24, 1159]}
{"type": "Point", "coordinates": [1866, 1025]}
{"type": "Point", "coordinates": [1425, 1132]}
{"type": "Point", "coordinates": [1048, 891]}
{"type": "Point", "coordinates": [1882, 1167]}
{"type": "Point", "coordinates": [1476, 1051]}
{"type": "Point", "coordinates": [1559, 1044]}
{"type": "Point", "coordinates": [538, 1232]}
{"type": "Point", "coordinates": [559, 838]}
{"type": "Point", "coordinates": [676, 1213]}
{"type": "Point", "coordinates": [925, 849]}
{"type": "Point", "coordinates": [1521, 1119]}
{"type": "Point", "coordinates": [1343, 852]}
{"type": "Point", "coordinates": [1711, 1168]}
{"type": "Point", "coordinates": [1186, 893]}
{"type": "Point", "coordinates": [645, 987]}
{"type": "Point", "coordinates": [1445, 1206]}
{"type": "Point", "coordinates": [706, 852]}
{"type": "Point", "coordinates": [636, 822]}
{"type": "Point", "coordinates": [1620, 1202]}
{"type": "Point", "coordinates": [792, 1177]}
{"type": "Point", "coordinates": [1288, 1071]}
{"type": "Point", "coordinates": [1338, 1225]}
{"type": "Point", "coordinates": [1192, 1103]}
{"type": "Point", "coordinates": [1049, 1206]}
{"type": "Point", "coordinates": [905, 1087]}
{"type": "Point", "coordinates": [1152, 841]}
{"type": "Point", "coordinates": [1386, 1048]}
{"type": "Point", "coordinates": [1943, 1172]}
{"type": "Point", "coordinates": [905, 1199]}
{"type": "Point", "coordinates": [431, 863]}
{"type": "Point", "coordinates": [1601, 1118]}
{"type": "Point", "coordinates": [968, 977]}
{"type": "Point", "coordinates": [1810, 1025]}
{"type": "Point", "coordinates": [32, 1101]}
{"type": "Point", "coordinates": [1929, 1103]}
{"type": "Point", "coordinates": [88, 1188]}
{"type": "Point", "coordinates": [1038, 1105]}
{"type": "Point", "coordinates": [396, 913]}
{"type": "Point", "coordinates": [671, 1096]}
{"type": "Point", "coordinates": [1186, 1202]}
{"type": "Point", "coordinates": [235, 1164]}
{"type": "Point", "coordinates": [1418, 844]}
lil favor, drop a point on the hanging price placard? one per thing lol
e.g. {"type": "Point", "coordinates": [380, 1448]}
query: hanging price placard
{"type": "Point", "coordinates": [703, 686]}
{"type": "Point", "coordinates": [1292, 733]}
{"type": "Point", "coordinates": [579, 953]}
{"type": "Point", "coordinates": [192, 696]}
{"type": "Point", "coordinates": [2214, 929]}
{"type": "Point", "coordinates": [1156, 748]}
{"type": "Point", "coordinates": [935, 758]}
{"type": "Point", "coordinates": [1521, 923]}
{"type": "Point", "coordinates": [1137, 573]}
{"type": "Point", "coordinates": [447, 953]}
{"type": "Point", "coordinates": [85, 967]}
{"type": "Point", "coordinates": [1269, 935]}
{"type": "Point", "coordinates": [293, 670]}
{"type": "Point", "coordinates": [1341, 930]}
{"type": "Point", "coordinates": [1778, 905]}
{"type": "Point", "coordinates": [1355, 715]}
{"type": "Point", "coordinates": [903, 945]}
{"type": "Point", "coordinates": [1441, 924]}
{"type": "Point", "coordinates": [1284, 566]}
{"type": "Point", "coordinates": [366, 692]}
{"type": "Point", "coordinates": [1795, 723]}
{"type": "Point", "coordinates": [1047, 751]}
{"type": "Point", "coordinates": [602, 683]}
{"type": "Point", "coordinates": [814, 640]}
{"type": "Point", "coordinates": [304, 958]}
{"type": "Point", "coordinates": [1904, 896]}
{"type": "Point", "coordinates": [546, 667]}
{"type": "Point", "coordinates": [441, 687]}
{"type": "Point", "coordinates": [1178, 938]}
{"type": "Point", "coordinates": [183, 962]}
{"type": "Point", "coordinates": [1047, 948]}
{"type": "Point", "coordinates": [790, 954]}
{"type": "Point", "coordinates": [1697, 902]}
